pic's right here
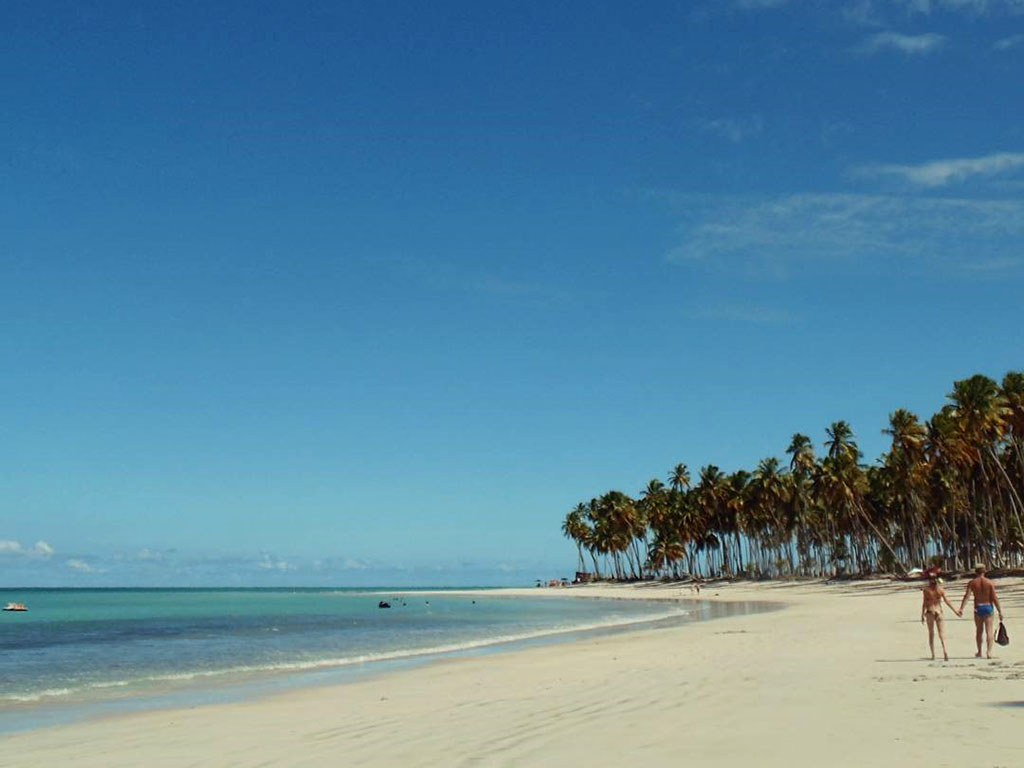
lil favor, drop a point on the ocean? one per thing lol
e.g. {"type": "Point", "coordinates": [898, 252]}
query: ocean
{"type": "Point", "coordinates": [79, 652]}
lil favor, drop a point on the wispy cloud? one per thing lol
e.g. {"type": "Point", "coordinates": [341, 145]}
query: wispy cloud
{"type": "Point", "coordinates": [995, 265]}
{"type": "Point", "coordinates": [747, 314]}
{"type": "Point", "coordinates": [861, 11]}
{"type": "Point", "coordinates": [735, 129]}
{"type": "Point", "coordinates": [42, 549]}
{"type": "Point", "coordinates": [760, 3]}
{"type": "Point", "coordinates": [975, 7]}
{"type": "Point", "coordinates": [151, 555]}
{"type": "Point", "coordinates": [268, 562]}
{"type": "Point", "coordinates": [939, 173]}
{"type": "Point", "coordinates": [779, 233]}
{"type": "Point", "coordinates": [1007, 43]}
{"type": "Point", "coordinates": [911, 45]}
{"type": "Point", "coordinates": [38, 550]}
{"type": "Point", "coordinates": [439, 275]}
{"type": "Point", "coordinates": [81, 566]}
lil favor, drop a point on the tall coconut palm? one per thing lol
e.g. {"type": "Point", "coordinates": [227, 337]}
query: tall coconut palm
{"type": "Point", "coordinates": [841, 442]}
{"type": "Point", "coordinates": [843, 485]}
{"type": "Point", "coordinates": [574, 527]}
{"type": "Point", "coordinates": [982, 413]}
{"type": "Point", "coordinates": [680, 478]}
{"type": "Point", "coordinates": [711, 493]}
{"type": "Point", "coordinates": [903, 480]}
{"type": "Point", "coordinates": [737, 498]}
{"type": "Point", "coordinates": [801, 452]}
{"type": "Point", "coordinates": [768, 492]}
{"type": "Point", "coordinates": [950, 486]}
{"type": "Point", "coordinates": [803, 466]}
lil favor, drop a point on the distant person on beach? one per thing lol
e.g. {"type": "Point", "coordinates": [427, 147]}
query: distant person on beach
{"type": "Point", "coordinates": [986, 603]}
{"type": "Point", "coordinates": [931, 611]}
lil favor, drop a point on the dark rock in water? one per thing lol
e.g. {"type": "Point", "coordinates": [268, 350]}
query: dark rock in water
{"type": "Point", "coordinates": [383, 604]}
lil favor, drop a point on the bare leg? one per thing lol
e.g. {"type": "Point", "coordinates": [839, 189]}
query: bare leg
{"type": "Point", "coordinates": [979, 628]}
{"type": "Point", "coordinates": [930, 617]}
{"type": "Point", "coordinates": [989, 635]}
{"type": "Point", "coordinates": [942, 636]}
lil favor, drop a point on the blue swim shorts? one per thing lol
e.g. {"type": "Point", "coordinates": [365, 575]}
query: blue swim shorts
{"type": "Point", "coordinates": [984, 610]}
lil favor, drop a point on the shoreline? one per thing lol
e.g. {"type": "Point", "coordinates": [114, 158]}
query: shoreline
{"type": "Point", "coordinates": [840, 677]}
{"type": "Point", "coordinates": [205, 688]}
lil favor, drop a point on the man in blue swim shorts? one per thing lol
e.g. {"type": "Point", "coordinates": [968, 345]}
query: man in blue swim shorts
{"type": "Point", "coordinates": [986, 603]}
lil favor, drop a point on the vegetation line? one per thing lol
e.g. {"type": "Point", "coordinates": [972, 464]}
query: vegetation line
{"type": "Point", "coordinates": [947, 492]}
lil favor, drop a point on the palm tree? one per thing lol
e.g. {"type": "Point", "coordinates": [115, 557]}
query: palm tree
{"type": "Point", "coordinates": [655, 506]}
{"type": "Point", "coordinates": [841, 442]}
{"type": "Point", "coordinates": [711, 494]}
{"type": "Point", "coordinates": [768, 491]}
{"type": "Point", "coordinates": [982, 413]}
{"type": "Point", "coordinates": [574, 527]}
{"type": "Point", "coordinates": [680, 478]}
{"type": "Point", "coordinates": [950, 487]}
{"type": "Point", "coordinates": [904, 478]}
{"type": "Point", "coordinates": [801, 451]}
{"type": "Point", "coordinates": [803, 466]}
{"type": "Point", "coordinates": [843, 484]}
{"type": "Point", "coordinates": [737, 498]}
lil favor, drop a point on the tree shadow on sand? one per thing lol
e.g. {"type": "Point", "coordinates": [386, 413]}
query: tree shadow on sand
{"type": "Point", "coordinates": [1013, 704]}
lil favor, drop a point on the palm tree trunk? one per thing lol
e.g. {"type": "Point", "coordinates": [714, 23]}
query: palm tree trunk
{"type": "Point", "coordinates": [881, 537]}
{"type": "Point", "coordinates": [1015, 500]}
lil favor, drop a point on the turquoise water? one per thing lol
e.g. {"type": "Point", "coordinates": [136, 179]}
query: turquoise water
{"type": "Point", "coordinates": [79, 650]}
{"type": "Point", "coordinates": [81, 646]}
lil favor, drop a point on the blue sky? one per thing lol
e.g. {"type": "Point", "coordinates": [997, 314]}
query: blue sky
{"type": "Point", "coordinates": [363, 293]}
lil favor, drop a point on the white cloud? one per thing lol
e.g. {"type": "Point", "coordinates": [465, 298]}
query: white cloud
{"type": "Point", "coordinates": [42, 549]}
{"type": "Point", "coordinates": [774, 234]}
{"type": "Point", "coordinates": [861, 12]}
{"type": "Point", "coordinates": [443, 276]}
{"type": "Point", "coordinates": [148, 555]}
{"type": "Point", "coordinates": [270, 563]}
{"type": "Point", "coordinates": [911, 45]}
{"type": "Point", "coordinates": [939, 173]}
{"type": "Point", "coordinates": [995, 265]}
{"type": "Point", "coordinates": [39, 549]}
{"type": "Point", "coordinates": [976, 7]}
{"type": "Point", "coordinates": [81, 566]}
{"type": "Point", "coordinates": [747, 314]}
{"type": "Point", "coordinates": [868, 11]}
{"type": "Point", "coordinates": [736, 129]}
{"type": "Point", "coordinates": [1006, 43]}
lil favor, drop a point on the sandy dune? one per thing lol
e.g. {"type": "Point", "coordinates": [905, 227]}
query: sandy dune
{"type": "Point", "coordinates": [838, 678]}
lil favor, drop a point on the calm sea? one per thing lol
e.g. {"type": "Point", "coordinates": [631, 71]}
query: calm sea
{"type": "Point", "coordinates": [77, 651]}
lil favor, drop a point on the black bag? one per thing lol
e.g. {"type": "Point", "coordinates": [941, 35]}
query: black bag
{"type": "Point", "coordinates": [1002, 636]}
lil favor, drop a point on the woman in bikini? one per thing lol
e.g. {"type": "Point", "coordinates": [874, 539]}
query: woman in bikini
{"type": "Point", "coordinates": [931, 611]}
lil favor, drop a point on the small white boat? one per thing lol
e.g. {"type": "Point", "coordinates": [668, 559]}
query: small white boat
{"type": "Point", "coordinates": [15, 607]}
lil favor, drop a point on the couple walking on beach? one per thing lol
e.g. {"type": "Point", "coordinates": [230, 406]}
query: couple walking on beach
{"type": "Point", "coordinates": [986, 603]}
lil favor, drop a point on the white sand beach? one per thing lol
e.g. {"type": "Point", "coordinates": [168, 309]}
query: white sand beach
{"type": "Point", "coordinates": [840, 677]}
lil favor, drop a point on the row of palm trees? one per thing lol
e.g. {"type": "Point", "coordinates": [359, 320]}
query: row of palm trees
{"type": "Point", "coordinates": [948, 491]}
